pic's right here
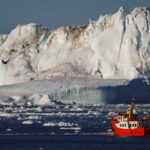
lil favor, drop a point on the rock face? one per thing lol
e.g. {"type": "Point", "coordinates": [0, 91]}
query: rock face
{"type": "Point", "coordinates": [115, 46]}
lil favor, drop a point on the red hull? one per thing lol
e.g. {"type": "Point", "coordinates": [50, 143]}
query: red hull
{"type": "Point", "coordinates": [142, 131]}
{"type": "Point", "coordinates": [130, 124]}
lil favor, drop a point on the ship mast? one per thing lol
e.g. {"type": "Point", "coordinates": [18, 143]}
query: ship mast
{"type": "Point", "coordinates": [131, 110]}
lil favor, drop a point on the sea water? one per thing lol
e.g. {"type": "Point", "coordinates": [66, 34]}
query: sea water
{"type": "Point", "coordinates": [66, 127]}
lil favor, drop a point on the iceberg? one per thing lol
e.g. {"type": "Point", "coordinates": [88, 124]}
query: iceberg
{"type": "Point", "coordinates": [77, 62]}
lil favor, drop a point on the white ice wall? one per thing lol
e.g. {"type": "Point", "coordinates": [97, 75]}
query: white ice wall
{"type": "Point", "coordinates": [115, 46]}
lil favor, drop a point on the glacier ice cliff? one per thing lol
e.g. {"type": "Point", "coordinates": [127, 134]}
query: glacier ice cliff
{"type": "Point", "coordinates": [116, 46]}
{"type": "Point", "coordinates": [75, 90]}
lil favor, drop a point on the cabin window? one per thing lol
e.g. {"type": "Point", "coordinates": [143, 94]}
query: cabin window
{"type": "Point", "coordinates": [122, 125]}
{"type": "Point", "coordinates": [133, 125]}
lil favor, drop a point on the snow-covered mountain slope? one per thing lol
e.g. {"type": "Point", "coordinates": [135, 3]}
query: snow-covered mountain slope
{"type": "Point", "coordinates": [115, 46]}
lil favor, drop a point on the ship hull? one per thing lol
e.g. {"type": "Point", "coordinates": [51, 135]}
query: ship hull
{"type": "Point", "coordinates": [142, 131]}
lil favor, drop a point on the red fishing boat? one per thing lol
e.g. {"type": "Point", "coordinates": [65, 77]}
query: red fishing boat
{"type": "Point", "coordinates": [130, 124]}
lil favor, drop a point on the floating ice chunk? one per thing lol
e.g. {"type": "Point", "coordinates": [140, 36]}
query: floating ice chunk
{"type": "Point", "coordinates": [27, 122]}
{"type": "Point", "coordinates": [48, 124]}
{"type": "Point", "coordinates": [76, 108]}
{"type": "Point", "coordinates": [39, 109]}
{"type": "Point", "coordinates": [109, 130]}
{"type": "Point", "coordinates": [29, 103]}
{"type": "Point", "coordinates": [9, 130]}
{"type": "Point", "coordinates": [93, 113]}
{"type": "Point", "coordinates": [71, 128]}
{"type": "Point", "coordinates": [44, 101]}
{"type": "Point", "coordinates": [19, 118]}
{"type": "Point", "coordinates": [65, 124]}
{"type": "Point", "coordinates": [110, 114]}
{"type": "Point", "coordinates": [145, 112]}
{"type": "Point", "coordinates": [8, 115]}
{"type": "Point", "coordinates": [104, 122]}
{"type": "Point", "coordinates": [34, 117]}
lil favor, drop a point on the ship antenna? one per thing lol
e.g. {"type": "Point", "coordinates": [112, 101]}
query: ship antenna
{"type": "Point", "coordinates": [133, 104]}
{"type": "Point", "coordinates": [131, 110]}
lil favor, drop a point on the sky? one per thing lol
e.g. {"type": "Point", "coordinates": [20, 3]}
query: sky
{"type": "Point", "coordinates": [56, 13]}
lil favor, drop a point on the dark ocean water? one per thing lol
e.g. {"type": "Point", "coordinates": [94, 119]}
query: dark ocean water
{"type": "Point", "coordinates": [66, 127]}
{"type": "Point", "coordinates": [73, 142]}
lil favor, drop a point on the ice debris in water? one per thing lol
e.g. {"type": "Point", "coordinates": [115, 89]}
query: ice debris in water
{"type": "Point", "coordinates": [27, 122]}
{"type": "Point", "coordinates": [66, 124]}
{"type": "Point", "coordinates": [110, 114]}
